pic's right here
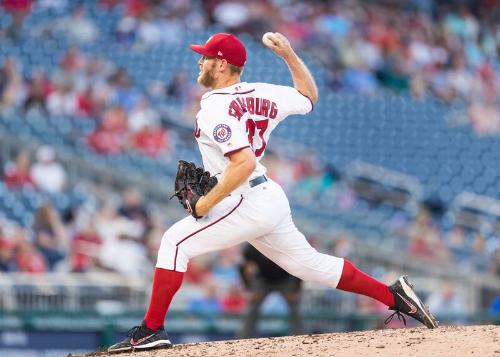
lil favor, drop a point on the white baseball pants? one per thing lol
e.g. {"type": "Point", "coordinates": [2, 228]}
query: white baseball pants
{"type": "Point", "coordinates": [260, 215]}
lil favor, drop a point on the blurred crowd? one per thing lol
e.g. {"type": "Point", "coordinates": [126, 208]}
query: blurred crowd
{"type": "Point", "coordinates": [46, 174]}
{"type": "Point", "coordinates": [447, 49]}
{"type": "Point", "coordinates": [86, 238]}
{"type": "Point", "coordinates": [421, 47]}
{"type": "Point", "coordinates": [432, 47]}
{"type": "Point", "coordinates": [77, 238]}
{"type": "Point", "coordinates": [94, 90]}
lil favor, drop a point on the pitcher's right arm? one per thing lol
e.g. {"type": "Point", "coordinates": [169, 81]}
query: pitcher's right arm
{"type": "Point", "coordinates": [303, 80]}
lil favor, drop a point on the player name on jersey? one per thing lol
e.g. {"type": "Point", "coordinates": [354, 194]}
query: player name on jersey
{"type": "Point", "coordinates": [254, 106]}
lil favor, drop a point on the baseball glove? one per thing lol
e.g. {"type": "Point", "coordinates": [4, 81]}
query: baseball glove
{"type": "Point", "coordinates": [191, 183]}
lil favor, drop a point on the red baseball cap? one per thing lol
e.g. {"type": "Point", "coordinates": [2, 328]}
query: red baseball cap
{"type": "Point", "coordinates": [223, 46]}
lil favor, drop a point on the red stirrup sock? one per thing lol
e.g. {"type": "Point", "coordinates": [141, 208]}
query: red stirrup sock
{"type": "Point", "coordinates": [355, 281]}
{"type": "Point", "coordinates": [165, 285]}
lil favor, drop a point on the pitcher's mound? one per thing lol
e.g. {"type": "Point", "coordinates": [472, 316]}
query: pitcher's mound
{"type": "Point", "coordinates": [445, 341]}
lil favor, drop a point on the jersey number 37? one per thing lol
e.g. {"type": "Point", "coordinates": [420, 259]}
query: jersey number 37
{"type": "Point", "coordinates": [257, 138]}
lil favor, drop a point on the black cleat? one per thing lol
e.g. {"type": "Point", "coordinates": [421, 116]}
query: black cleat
{"type": "Point", "coordinates": [142, 338]}
{"type": "Point", "coordinates": [408, 303]}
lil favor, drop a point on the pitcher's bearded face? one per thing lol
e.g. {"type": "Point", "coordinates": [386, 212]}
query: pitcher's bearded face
{"type": "Point", "coordinates": [206, 76]}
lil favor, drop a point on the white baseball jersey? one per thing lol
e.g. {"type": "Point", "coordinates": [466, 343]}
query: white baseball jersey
{"type": "Point", "coordinates": [230, 119]}
{"type": "Point", "coordinates": [240, 116]}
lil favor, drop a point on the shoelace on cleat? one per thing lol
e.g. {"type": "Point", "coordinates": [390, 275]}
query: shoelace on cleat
{"type": "Point", "coordinates": [132, 331]}
{"type": "Point", "coordinates": [398, 314]}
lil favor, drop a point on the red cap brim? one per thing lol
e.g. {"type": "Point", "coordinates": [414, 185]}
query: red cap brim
{"type": "Point", "coordinates": [201, 50]}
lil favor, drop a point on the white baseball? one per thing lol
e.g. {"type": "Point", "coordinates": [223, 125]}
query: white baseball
{"type": "Point", "coordinates": [267, 39]}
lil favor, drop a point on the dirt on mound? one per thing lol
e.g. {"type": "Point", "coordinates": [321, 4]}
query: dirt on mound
{"type": "Point", "coordinates": [445, 341]}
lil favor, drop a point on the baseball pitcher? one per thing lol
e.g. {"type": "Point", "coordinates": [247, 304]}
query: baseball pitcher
{"type": "Point", "coordinates": [231, 200]}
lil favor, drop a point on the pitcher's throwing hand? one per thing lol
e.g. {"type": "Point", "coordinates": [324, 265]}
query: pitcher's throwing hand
{"type": "Point", "coordinates": [278, 43]}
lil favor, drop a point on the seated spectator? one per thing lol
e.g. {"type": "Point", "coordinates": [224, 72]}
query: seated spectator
{"type": "Point", "coordinates": [7, 261]}
{"type": "Point", "coordinates": [79, 27]}
{"type": "Point", "coordinates": [126, 95]}
{"type": "Point", "coordinates": [234, 301]}
{"type": "Point", "coordinates": [96, 72]}
{"type": "Point", "coordinates": [62, 101]}
{"type": "Point", "coordinates": [208, 304]}
{"type": "Point", "coordinates": [198, 271]}
{"type": "Point", "coordinates": [179, 87]}
{"type": "Point", "coordinates": [18, 175]}
{"type": "Point", "coordinates": [86, 102]}
{"type": "Point", "coordinates": [225, 268]}
{"type": "Point", "coordinates": [39, 88]}
{"type": "Point", "coordinates": [425, 238]}
{"type": "Point", "coordinates": [126, 31]}
{"type": "Point", "coordinates": [131, 251]}
{"type": "Point", "coordinates": [18, 9]}
{"type": "Point", "coordinates": [343, 246]}
{"type": "Point", "coordinates": [456, 238]}
{"type": "Point", "coordinates": [484, 111]}
{"type": "Point", "coordinates": [50, 235]}
{"type": "Point", "coordinates": [231, 14]}
{"type": "Point", "coordinates": [395, 74]}
{"type": "Point", "coordinates": [459, 77]}
{"type": "Point", "coordinates": [280, 170]}
{"type": "Point", "coordinates": [111, 136]}
{"type": "Point", "coordinates": [447, 301]}
{"type": "Point", "coordinates": [133, 8]}
{"type": "Point", "coordinates": [48, 174]}
{"type": "Point", "coordinates": [142, 115]}
{"type": "Point", "coordinates": [100, 95]}
{"type": "Point", "coordinates": [479, 245]}
{"type": "Point", "coordinates": [120, 234]}
{"type": "Point", "coordinates": [312, 179]}
{"type": "Point", "coordinates": [11, 85]}
{"type": "Point", "coordinates": [28, 259]}
{"type": "Point", "coordinates": [73, 60]}
{"type": "Point", "coordinates": [360, 80]}
{"type": "Point", "coordinates": [149, 31]}
{"type": "Point", "coordinates": [151, 141]}
{"type": "Point", "coordinates": [485, 118]}
{"type": "Point", "coordinates": [134, 209]}
{"type": "Point", "coordinates": [85, 249]}
{"type": "Point", "coordinates": [306, 166]}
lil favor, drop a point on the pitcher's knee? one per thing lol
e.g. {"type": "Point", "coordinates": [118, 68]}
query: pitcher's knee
{"type": "Point", "coordinates": [324, 269]}
{"type": "Point", "coordinates": [306, 275]}
{"type": "Point", "coordinates": [300, 272]}
{"type": "Point", "coordinates": [170, 255]}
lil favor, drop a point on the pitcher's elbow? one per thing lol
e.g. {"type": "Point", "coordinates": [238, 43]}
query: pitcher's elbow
{"type": "Point", "coordinates": [251, 165]}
